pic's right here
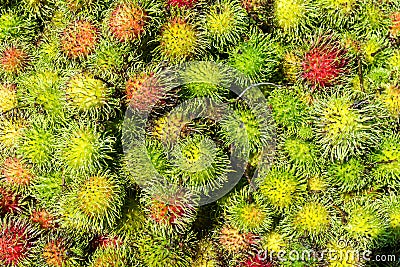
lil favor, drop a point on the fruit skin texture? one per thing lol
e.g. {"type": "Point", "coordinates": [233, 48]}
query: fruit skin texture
{"type": "Point", "coordinates": [182, 3]}
{"type": "Point", "coordinates": [13, 60]}
{"type": "Point", "coordinates": [391, 99]}
{"type": "Point", "coordinates": [8, 97]}
{"type": "Point", "coordinates": [79, 39]}
{"type": "Point", "coordinates": [255, 261]}
{"type": "Point", "coordinates": [179, 41]}
{"type": "Point", "coordinates": [324, 64]}
{"type": "Point", "coordinates": [9, 202]}
{"type": "Point", "coordinates": [348, 176]}
{"type": "Point", "coordinates": [15, 242]}
{"type": "Point", "coordinates": [233, 241]}
{"type": "Point", "coordinates": [127, 22]}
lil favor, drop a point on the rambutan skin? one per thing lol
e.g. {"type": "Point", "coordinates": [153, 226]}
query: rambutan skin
{"type": "Point", "coordinates": [182, 3]}
{"type": "Point", "coordinates": [13, 60]}
{"type": "Point", "coordinates": [79, 39]}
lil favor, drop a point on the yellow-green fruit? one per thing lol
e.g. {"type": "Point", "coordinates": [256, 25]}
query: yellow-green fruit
{"type": "Point", "coordinates": [274, 241]}
{"type": "Point", "coordinates": [87, 93]}
{"type": "Point", "coordinates": [289, 13]}
{"type": "Point", "coordinates": [391, 99]}
{"type": "Point", "coordinates": [343, 254]}
{"type": "Point", "coordinates": [8, 98]}
{"type": "Point", "coordinates": [206, 255]}
{"type": "Point", "coordinates": [10, 131]}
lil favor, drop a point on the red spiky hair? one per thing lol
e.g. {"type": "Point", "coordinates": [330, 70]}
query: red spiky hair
{"type": "Point", "coordinates": [16, 173]}
{"type": "Point", "coordinates": [9, 202]}
{"type": "Point", "coordinates": [44, 218]}
{"type": "Point", "coordinates": [104, 241]}
{"type": "Point", "coordinates": [127, 22]}
{"type": "Point", "coordinates": [255, 261]}
{"type": "Point", "coordinates": [14, 243]}
{"type": "Point", "coordinates": [13, 60]}
{"type": "Point", "coordinates": [395, 28]}
{"type": "Point", "coordinates": [55, 253]}
{"type": "Point", "coordinates": [181, 3]}
{"type": "Point", "coordinates": [324, 63]}
{"type": "Point", "coordinates": [142, 91]}
{"type": "Point", "coordinates": [79, 39]}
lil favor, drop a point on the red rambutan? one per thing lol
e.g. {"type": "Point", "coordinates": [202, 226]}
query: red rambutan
{"type": "Point", "coordinates": [104, 241]}
{"type": "Point", "coordinates": [323, 64]}
{"type": "Point", "coordinates": [181, 3]}
{"type": "Point", "coordinates": [255, 261]}
{"type": "Point", "coordinates": [9, 201]}
{"type": "Point", "coordinates": [13, 60]}
{"type": "Point", "coordinates": [16, 173]}
{"type": "Point", "coordinates": [55, 253]}
{"type": "Point", "coordinates": [233, 241]}
{"type": "Point", "coordinates": [395, 28]}
{"type": "Point", "coordinates": [44, 218]}
{"type": "Point", "coordinates": [143, 92]}
{"type": "Point", "coordinates": [15, 243]}
{"type": "Point", "coordinates": [127, 22]}
{"type": "Point", "coordinates": [79, 39]}
{"type": "Point", "coordinates": [166, 213]}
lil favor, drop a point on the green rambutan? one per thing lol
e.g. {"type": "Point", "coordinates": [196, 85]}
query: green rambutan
{"type": "Point", "coordinates": [201, 165]}
{"type": "Point", "coordinates": [37, 143]}
{"type": "Point", "coordinates": [324, 63]}
{"type": "Point", "coordinates": [281, 187]}
{"type": "Point", "coordinates": [110, 256]}
{"type": "Point", "coordinates": [13, 26]}
{"type": "Point", "coordinates": [224, 23]}
{"type": "Point", "coordinates": [84, 149]}
{"type": "Point", "coordinates": [56, 252]}
{"type": "Point", "coordinates": [344, 253]}
{"type": "Point", "coordinates": [372, 18]}
{"type": "Point", "coordinates": [338, 14]}
{"type": "Point", "coordinates": [257, 58]}
{"type": "Point", "coordinates": [291, 66]}
{"type": "Point", "coordinates": [128, 21]}
{"type": "Point", "coordinates": [391, 100]}
{"type": "Point", "coordinates": [235, 242]}
{"type": "Point", "coordinates": [16, 242]}
{"type": "Point", "coordinates": [365, 223]}
{"type": "Point", "coordinates": [79, 39]}
{"type": "Point", "coordinates": [346, 127]}
{"type": "Point", "coordinates": [8, 98]}
{"type": "Point", "coordinates": [88, 94]}
{"type": "Point", "coordinates": [205, 79]}
{"type": "Point", "coordinates": [206, 254]}
{"type": "Point", "coordinates": [274, 241]}
{"type": "Point", "coordinates": [48, 188]}
{"type": "Point", "coordinates": [386, 162]}
{"type": "Point", "coordinates": [372, 50]}
{"type": "Point", "coordinates": [37, 8]}
{"type": "Point", "coordinates": [348, 176]}
{"type": "Point", "coordinates": [94, 205]}
{"type": "Point", "coordinates": [303, 154]}
{"type": "Point", "coordinates": [11, 130]}
{"type": "Point", "coordinates": [13, 60]}
{"type": "Point", "coordinates": [248, 212]}
{"type": "Point", "coordinates": [43, 88]}
{"type": "Point", "coordinates": [317, 183]}
{"type": "Point", "coordinates": [133, 219]}
{"type": "Point", "coordinates": [313, 219]}
{"type": "Point", "coordinates": [179, 41]}
{"type": "Point", "coordinates": [15, 174]}
{"type": "Point", "coordinates": [391, 210]}
{"type": "Point", "coordinates": [157, 249]}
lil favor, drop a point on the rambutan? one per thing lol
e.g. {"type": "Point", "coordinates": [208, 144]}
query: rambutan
{"type": "Point", "coordinates": [234, 241]}
{"type": "Point", "coordinates": [391, 99]}
{"type": "Point", "coordinates": [14, 26]}
{"type": "Point", "coordinates": [324, 64]}
{"type": "Point", "coordinates": [15, 173]}
{"type": "Point", "coordinates": [395, 27]}
{"type": "Point", "coordinates": [43, 218]}
{"type": "Point", "coordinates": [79, 39]}
{"type": "Point", "coordinates": [293, 16]}
{"type": "Point", "coordinates": [206, 254]}
{"type": "Point", "coordinates": [179, 41]}
{"type": "Point", "coordinates": [9, 202]}
{"type": "Point", "coordinates": [348, 176]}
{"type": "Point", "coordinates": [255, 261]}
{"type": "Point", "coordinates": [8, 97]}
{"type": "Point", "coordinates": [55, 253]}
{"type": "Point", "coordinates": [16, 241]}
{"type": "Point", "coordinates": [274, 241]}
{"type": "Point", "coordinates": [182, 3]}
{"type": "Point", "coordinates": [127, 21]}
{"type": "Point", "coordinates": [143, 92]}
{"type": "Point", "coordinates": [13, 60]}
{"type": "Point", "coordinates": [10, 132]}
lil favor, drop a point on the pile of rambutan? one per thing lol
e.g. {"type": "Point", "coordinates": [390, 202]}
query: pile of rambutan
{"type": "Point", "coordinates": [199, 133]}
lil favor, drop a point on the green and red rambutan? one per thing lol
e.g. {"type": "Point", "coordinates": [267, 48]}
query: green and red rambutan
{"type": "Point", "coordinates": [235, 242]}
{"type": "Point", "coordinates": [56, 252]}
{"type": "Point", "coordinates": [128, 21]}
{"type": "Point", "coordinates": [16, 242]}
{"type": "Point", "coordinates": [224, 23]}
{"type": "Point", "coordinates": [324, 63]}
{"type": "Point", "coordinates": [43, 218]}
{"type": "Point", "coordinates": [180, 40]}
{"type": "Point", "coordinates": [16, 174]}
{"type": "Point", "coordinates": [248, 212]}
{"type": "Point", "coordinates": [13, 60]}
{"type": "Point", "coordinates": [395, 27]}
{"type": "Point", "coordinates": [79, 39]}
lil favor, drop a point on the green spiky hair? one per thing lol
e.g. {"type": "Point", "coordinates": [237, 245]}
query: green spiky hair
{"type": "Point", "coordinates": [57, 251]}
{"type": "Point", "coordinates": [144, 162]}
{"type": "Point", "coordinates": [281, 187]}
{"type": "Point", "coordinates": [372, 18]}
{"type": "Point", "coordinates": [201, 164]}
{"type": "Point", "coordinates": [386, 161]}
{"type": "Point", "coordinates": [248, 212]}
{"type": "Point", "coordinates": [180, 40]}
{"type": "Point", "coordinates": [314, 219]}
{"type": "Point", "coordinates": [348, 176]}
{"type": "Point", "coordinates": [391, 100]}
{"type": "Point", "coordinates": [8, 98]}
{"type": "Point", "coordinates": [344, 252]}
{"type": "Point", "coordinates": [43, 88]}
{"type": "Point", "coordinates": [205, 79]}
{"type": "Point", "coordinates": [157, 249]}
{"type": "Point", "coordinates": [257, 58]}
{"type": "Point", "coordinates": [365, 223]}
{"type": "Point", "coordinates": [37, 143]}
{"type": "Point", "coordinates": [274, 241]}
{"type": "Point", "coordinates": [339, 13]}
{"type": "Point", "coordinates": [88, 94]}
{"type": "Point", "coordinates": [250, 130]}
{"type": "Point", "coordinates": [224, 23]}
{"type": "Point", "coordinates": [84, 149]}
{"type": "Point", "coordinates": [16, 175]}
{"type": "Point", "coordinates": [289, 111]}
{"type": "Point", "coordinates": [345, 127]}
{"type": "Point", "coordinates": [391, 210]}
{"type": "Point", "coordinates": [293, 16]}
{"type": "Point", "coordinates": [48, 188]}
{"type": "Point", "coordinates": [11, 129]}
{"type": "Point", "coordinates": [13, 26]}
{"type": "Point", "coordinates": [94, 205]}
{"type": "Point", "coordinates": [111, 256]}
{"type": "Point", "coordinates": [304, 155]}
{"type": "Point", "coordinates": [206, 254]}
